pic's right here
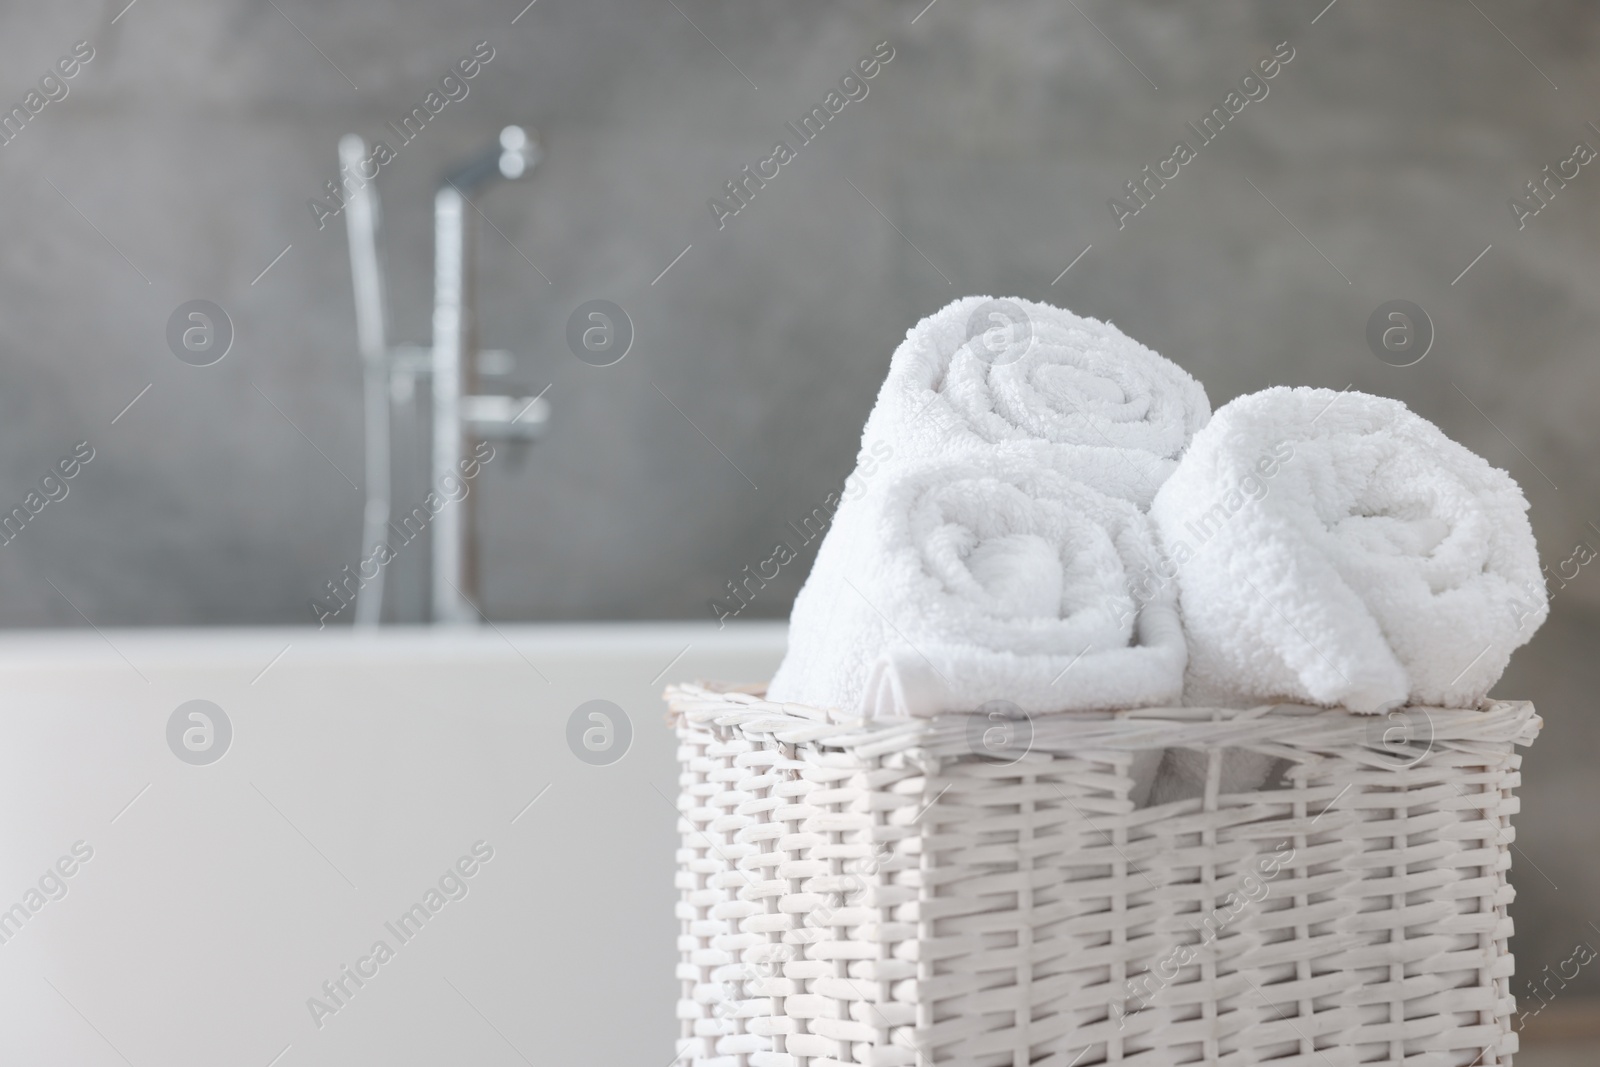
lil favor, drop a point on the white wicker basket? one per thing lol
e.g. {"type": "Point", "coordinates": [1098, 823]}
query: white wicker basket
{"type": "Point", "coordinates": [878, 894]}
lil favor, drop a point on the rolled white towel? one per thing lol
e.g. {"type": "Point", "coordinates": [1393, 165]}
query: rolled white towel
{"type": "Point", "coordinates": [972, 582]}
{"type": "Point", "coordinates": [984, 377]}
{"type": "Point", "coordinates": [1337, 549]}
{"type": "Point", "coordinates": [1011, 375]}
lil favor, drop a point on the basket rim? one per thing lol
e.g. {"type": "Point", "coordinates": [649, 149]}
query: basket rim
{"type": "Point", "coordinates": [1296, 726]}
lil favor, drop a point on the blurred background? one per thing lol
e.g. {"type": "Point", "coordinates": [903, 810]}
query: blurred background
{"type": "Point", "coordinates": [180, 165]}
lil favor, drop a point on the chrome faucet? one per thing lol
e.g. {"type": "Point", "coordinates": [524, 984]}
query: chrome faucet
{"type": "Point", "coordinates": [452, 365]}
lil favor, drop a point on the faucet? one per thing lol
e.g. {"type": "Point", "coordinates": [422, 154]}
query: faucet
{"type": "Point", "coordinates": [452, 364]}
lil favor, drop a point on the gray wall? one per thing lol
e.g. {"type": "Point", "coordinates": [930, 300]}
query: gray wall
{"type": "Point", "coordinates": [981, 161]}
{"type": "Point", "coordinates": [197, 134]}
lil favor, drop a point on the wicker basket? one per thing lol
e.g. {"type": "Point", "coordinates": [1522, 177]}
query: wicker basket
{"type": "Point", "coordinates": [891, 894]}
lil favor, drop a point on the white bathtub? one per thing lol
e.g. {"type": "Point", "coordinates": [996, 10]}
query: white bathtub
{"type": "Point", "coordinates": [219, 898]}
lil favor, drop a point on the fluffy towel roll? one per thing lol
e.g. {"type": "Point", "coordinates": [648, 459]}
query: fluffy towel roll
{"type": "Point", "coordinates": [982, 379]}
{"type": "Point", "coordinates": [1337, 549]}
{"type": "Point", "coordinates": [978, 581]}
{"type": "Point", "coordinates": [1079, 395]}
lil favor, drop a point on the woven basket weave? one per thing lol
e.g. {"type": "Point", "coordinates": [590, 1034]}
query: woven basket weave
{"type": "Point", "coordinates": [880, 894]}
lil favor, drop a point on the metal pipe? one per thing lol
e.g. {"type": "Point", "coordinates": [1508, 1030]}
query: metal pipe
{"type": "Point", "coordinates": [454, 414]}
{"type": "Point", "coordinates": [447, 602]}
{"type": "Point", "coordinates": [366, 276]}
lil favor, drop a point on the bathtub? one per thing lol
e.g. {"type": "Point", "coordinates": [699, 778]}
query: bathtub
{"type": "Point", "coordinates": [425, 790]}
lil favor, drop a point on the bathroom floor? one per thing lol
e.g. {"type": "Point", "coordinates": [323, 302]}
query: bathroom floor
{"type": "Point", "coordinates": [1567, 1034]}
{"type": "Point", "coordinates": [1562, 1054]}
